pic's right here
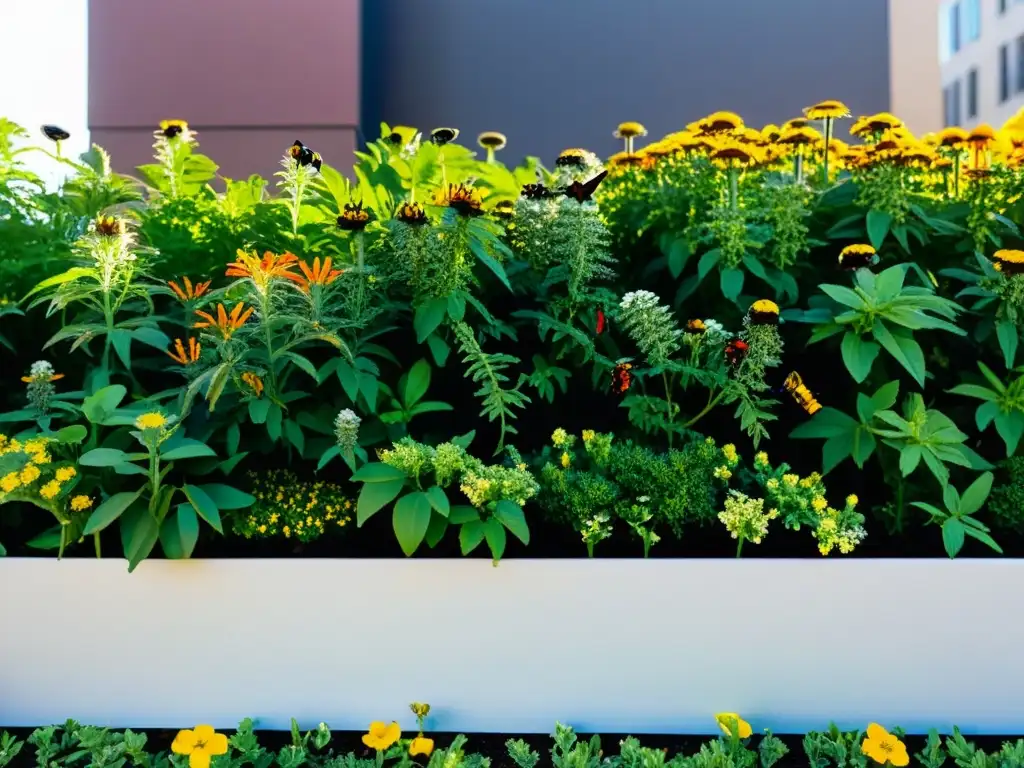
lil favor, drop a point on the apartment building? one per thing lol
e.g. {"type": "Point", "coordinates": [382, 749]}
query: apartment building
{"type": "Point", "coordinates": [981, 54]}
{"type": "Point", "coordinates": [251, 76]}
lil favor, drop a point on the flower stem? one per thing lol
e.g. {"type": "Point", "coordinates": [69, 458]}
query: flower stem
{"type": "Point", "coordinates": [734, 195]}
{"type": "Point", "coordinates": [739, 547]}
{"type": "Point", "coordinates": [96, 545]}
{"type": "Point", "coordinates": [712, 402]}
{"type": "Point", "coordinates": [268, 338]}
{"type": "Point", "coordinates": [956, 174]}
{"type": "Point", "coordinates": [828, 141]}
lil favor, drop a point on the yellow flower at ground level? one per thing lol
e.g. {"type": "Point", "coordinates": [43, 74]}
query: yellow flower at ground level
{"type": "Point", "coordinates": [80, 503]}
{"type": "Point", "coordinates": [882, 747]}
{"type": "Point", "coordinates": [566, 460]}
{"type": "Point", "coordinates": [30, 474]}
{"type": "Point", "coordinates": [381, 735]}
{"type": "Point", "coordinates": [151, 420]}
{"type": "Point", "coordinates": [50, 490]}
{"type": "Point", "coordinates": [200, 744]}
{"type": "Point", "coordinates": [421, 745]}
{"type": "Point", "coordinates": [729, 720]}
{"type": "Point", "coordinates": [64, 474]}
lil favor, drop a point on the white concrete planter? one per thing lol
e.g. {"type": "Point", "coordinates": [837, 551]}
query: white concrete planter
{"type": "Point", "coordinates": [605, 645]}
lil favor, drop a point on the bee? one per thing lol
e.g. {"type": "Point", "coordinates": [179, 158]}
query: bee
{"type": "Point", "coordinates": [857, 256]}
{"type": "Point", "coordinates": [583, 191]}
{"type": "Point", "coordinates": [794, 385]}
{"type": "Point", "coordinates": [303, 155]}
{"type": "Point", "coordinates": [736, 351]}
{"type": "Point", "coordinates": [695, 326]}
{"type": "Point", "coordinates": [622, 379]}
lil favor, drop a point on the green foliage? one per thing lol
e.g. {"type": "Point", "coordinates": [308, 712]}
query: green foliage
{"type": "Point", "coordinates": [957, 519]}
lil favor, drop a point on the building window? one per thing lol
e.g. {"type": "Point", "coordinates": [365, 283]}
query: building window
{"type": "Point", "coordinates": [951, 103]}
{"type": "Point", "coordinates": [956, 104]}
{"type": "Point", "coordinates": [1004, 73]}
{"type": "Point", "coordinates": [972, 93]}
{"type": "Point", "coordinates": [1002, 6]}
{"type": "Point", "coordinates": [1020, 64]}
{"type": "Point", "coordinates": [972, 20]}
{"type": "Point", "coordinates": [954, 27]}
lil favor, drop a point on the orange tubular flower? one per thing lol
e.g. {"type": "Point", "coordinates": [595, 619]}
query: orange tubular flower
{"type": "Point", "coordinates": [224, 323]}
{"type": "Point", "coordinates": [318, 274]}
{"type": "Point", "coordinates": [263, 271]}
{"type": "Point", "coordinates": [254, 382]}
{"type": "Point", "coordinates": [179, 354]}
{"type": "Point", "coordinates": [190, 291]}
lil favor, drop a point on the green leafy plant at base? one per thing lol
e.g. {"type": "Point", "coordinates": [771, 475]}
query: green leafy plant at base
{"type": "Point", "coordinates": [956, 520]}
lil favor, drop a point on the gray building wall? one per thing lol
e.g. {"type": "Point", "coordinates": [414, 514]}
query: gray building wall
{"type": "Point", "coordinates": [557, 73]}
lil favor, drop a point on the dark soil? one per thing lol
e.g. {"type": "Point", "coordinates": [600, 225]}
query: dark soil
{"type": "Point", "coordinates": [492, 745]}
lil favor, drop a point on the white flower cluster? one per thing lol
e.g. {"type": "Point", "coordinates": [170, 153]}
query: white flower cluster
{"type": "Point", "coordinates": [346, 430]}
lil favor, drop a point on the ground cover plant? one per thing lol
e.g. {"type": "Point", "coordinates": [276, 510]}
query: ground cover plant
{"type": "Point", "coordinates": [72, 744]}
{"type": "Point", "coordinates": [729, 341]}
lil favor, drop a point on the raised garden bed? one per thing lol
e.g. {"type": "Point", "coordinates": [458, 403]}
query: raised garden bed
{"type": "Point", "coordinates": [607, 645]}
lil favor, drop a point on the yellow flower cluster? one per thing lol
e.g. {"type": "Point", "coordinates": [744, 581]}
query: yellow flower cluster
{"type": "Point", "coordinates": [840, 528]}
{"type": "Point", "coordinates": [32, 461]}
{"type": "Point", "coordinates": [561, 439]}
{"type": "Point", "coordinates": [732, 458]}
{"type": "Point", "coordinates": [745, 517]}
{"type": "Point", "coordinates": [293, 508]}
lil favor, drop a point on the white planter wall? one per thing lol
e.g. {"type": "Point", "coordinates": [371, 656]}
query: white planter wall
{"type": "Point", "coordinates": [605, 645]}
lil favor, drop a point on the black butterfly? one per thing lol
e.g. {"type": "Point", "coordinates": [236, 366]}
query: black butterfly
{"type": "Point", "coordinates": [583, 191]}
{"type": "Point", "coordinates": [536, 192]}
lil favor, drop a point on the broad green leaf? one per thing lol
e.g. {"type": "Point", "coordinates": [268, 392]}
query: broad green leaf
{"type": "Point", "coordinates": [489, 261]}
{"type": "Point", "coordinates": [828, 422]}
{"type": "Point", "coordinates": [1008, 336]}
{"type": "Point", "coordinates": [937, 467]}
{"type": "Point", "coordinates": [835, 450]}
{"type": "Point", "coordinates": [226, 497]}
{"type": "Point", "coordinates": [953, 536]}
{"type": "Point", "coordinates": [293, 432]}
{"type": "Point", "coordinates": [470, 535]}
{"type": "Point", "coordinates": [121, 341]}
{"type": "Point", "coordinates": [436, 530]}
{"type": "Point", "coordinates": [889, 283]}
{"type": "Point", "coordinates": [438, 500]}
{"type": "Point", "coordinates": [878, 223]}
{"type": "Point", "coordinates": [99, 406]}
{"type": "Point", "coordinates": [845, 296]}
{"type": "Point", "coordinates": [428, 316]}
{"type": "Point", "coordinates": [411, 519]}
{"type": "Point", "coordinates": [329, 455]}
{"type": "Point", "coordinates": [983, 537]}
{"type": "Point", "coordinates": [885, 395]}
{"type": "Point", "coordinates": [707, 263]}
{"type": "Point", "coordinates": [678, 254]}
{"type": "Point", "coordinates": [376, 495]}
{"type": "Point", "coordinates": [494, 532]}
{"type": "Point", "coordinates": [997, 385]}
{"type": "Point", "coordinates": [951, 499]}
{"type": "Point", "coordinates": [462, 513]}
{"type": "Point", "coordinates": [511, 516]}
{"type": "Point", "coordinates": [188, 449]}
{"type": "Point", "coordinates": [439, 349]}
{"type": "Point", "coordinates": [71, 435]}
{"type": "Point", "coordinates": [975, 390]}
{"type": "Point", "coordinates": [377, 472]}
{"type": "Point", "coordinates": [417, 381]}
{"type": "Point", "coordinates": [910, 457]}
{"type": "Point", "coordinates": [141, 539]}
{"type": "Point", "coordinates": [258, 410]}
{"type": "Point", "coordinates": [904, 349]}
{"type": "Point", "coordinates": [731, 283]}
{"type": "Point", "coordinates": [204, 506]}
{"type": "Point", "coordinates": [976, 494]}
{"type": "Point", "coordinates": [180, 532]}
{"type": "Point", "coordinates": [1010, 426]}
{"type": "Point", "coordinates": [103, 457]}
{"type": "Point", "coordinates": [109, 511]}
{"type": "Point", "coordinates": [858, 355]}
{"type": "Point", "coordinates": [985, 414]}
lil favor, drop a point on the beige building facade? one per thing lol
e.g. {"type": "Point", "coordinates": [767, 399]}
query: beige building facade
{"type": "Point", "coordinates": [981, 55]}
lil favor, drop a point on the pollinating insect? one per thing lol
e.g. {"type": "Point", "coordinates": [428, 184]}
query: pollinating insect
{"type": "Point", "coordinates": [857, 256]}
{"type": "Point", "coordinates": [173, 128]}
{"type": "Point", "coordinates": [583, 191]}
{"type": "Point", "coordinates": [505, 209]}
{"type": "Point", "coordinates": [736, 351]}
{"type": "Point", "coordinates": [794, 385]}
{"type": "Point", "coordinates": [536, 192]}
{"type": "Point", "coordinates": [764, 312]}
{"type": "Point", "coordinates": [412, 214]}
{"type": "Point", "coordinates": [695, 326]}
{"type": "Point", "coordinates": [442, 136]}
{"type": "Point", "coordinates": [622, 379]}
{"type": "Point", "coordinates": [572, 158]}
{"type": "Point", "coordinates": [303, 155]}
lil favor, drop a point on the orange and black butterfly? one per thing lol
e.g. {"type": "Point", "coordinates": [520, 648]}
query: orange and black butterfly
{"type": "Point", "coordinates": [801, 394]}
{"type": "Point", "coordinates": [736, 351]}
{"type": "Point", "coordinates": [536, 192]}
{"type": "Point", "coordinates": [583, 191]}
{"type": "Point", "coordinates": [622, 379]}
{"type": "Point", "coordinates": [303, 155]}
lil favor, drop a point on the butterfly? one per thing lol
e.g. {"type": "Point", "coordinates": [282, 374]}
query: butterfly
{"type": "Point", "coordinates": [303, 155]}
{"type": "Point", "coordinates": [601, 322]}
{"type": "Point", "coordinates": [695, 326]}
{"type": "Point", "coordinates": [735, 351]}
{"type": "Point", "coordinates": [536, 192]}
{"type": "Point", "coordinates": [55, 133]}
{"type": "Point", "coordinates": [794, 385]}
{"type": "Point", "coordinates": [583, 191]}
{"type": "Point", "coordinates": [622, 379]}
